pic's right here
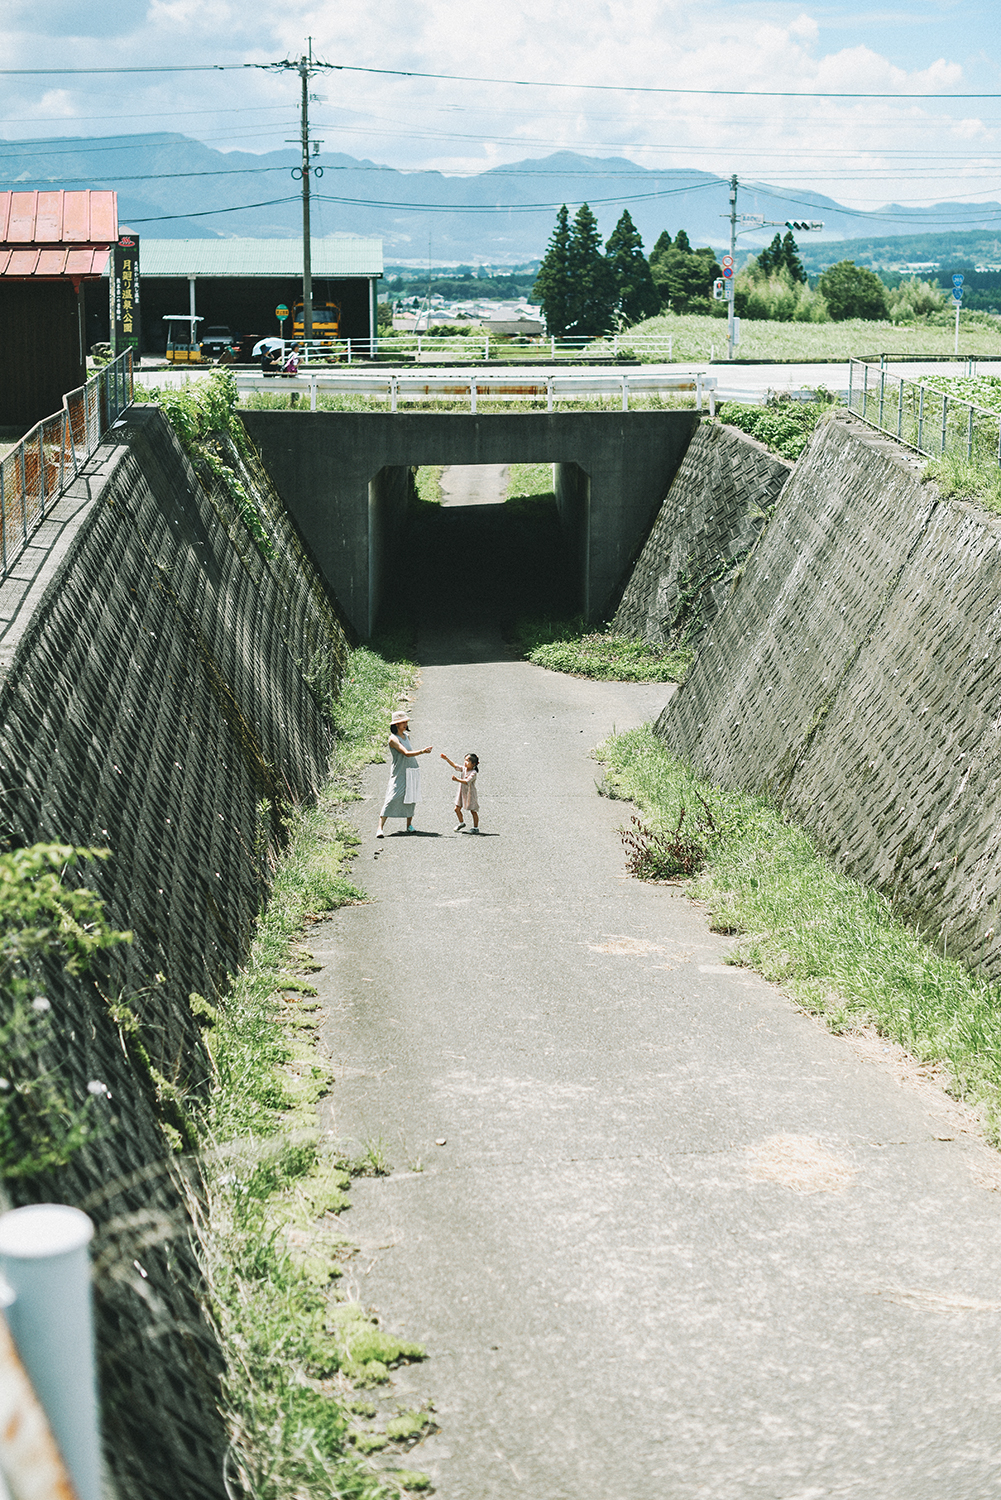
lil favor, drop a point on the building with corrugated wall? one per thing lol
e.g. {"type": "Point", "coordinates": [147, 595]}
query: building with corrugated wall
{"type": "Point", "coordinates": [238, 283]}
{"type": "Point", "coordinates": [51, 245]}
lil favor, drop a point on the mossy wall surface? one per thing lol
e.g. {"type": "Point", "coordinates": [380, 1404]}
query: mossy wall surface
{"type": "Point", "coordinates": [717, 505]}
{"type": "Point", "coordinates": [855, 676]}
{"type": "Point", "coordinates": [170, 684]}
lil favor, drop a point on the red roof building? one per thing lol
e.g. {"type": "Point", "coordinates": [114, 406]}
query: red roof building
{"type": "Point", "coordinates": [50, 244]}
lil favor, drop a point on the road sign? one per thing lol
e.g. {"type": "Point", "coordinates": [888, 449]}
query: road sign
{"type": "Point", "coordinates": [281, 312]}
{"type": "Point", "coordinates": [957, 292]}
{"type": "Point", "coordinates": [957, 280]}
{"type": "Point", "coordinates": [728, 272]}
{"type": "Point", "coordinates": [728, 261]}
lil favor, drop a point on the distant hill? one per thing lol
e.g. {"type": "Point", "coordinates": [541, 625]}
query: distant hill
{"type": "Point", "coordinates": [170, 186]}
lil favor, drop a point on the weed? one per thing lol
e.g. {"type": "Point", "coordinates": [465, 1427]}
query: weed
{"type": "Point", "coordinates": [410, 1426]}
{"type": "Point", "coordinates": [410, 1479]}
{"type": "Point", "coordinates": [836, 944]}
{"type": "Point", "coordinates": [657, 854]}
{"type": "Point", "coordinates": [373, 1161]}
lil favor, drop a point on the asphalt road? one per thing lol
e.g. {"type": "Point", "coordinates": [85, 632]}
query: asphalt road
{"type": "Point", "coordinates": [662, 1234]}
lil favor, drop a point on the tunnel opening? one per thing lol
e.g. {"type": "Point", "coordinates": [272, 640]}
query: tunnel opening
{"type": "Point", "coordinates": [486, 549]}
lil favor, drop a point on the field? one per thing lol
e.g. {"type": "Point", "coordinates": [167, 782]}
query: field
{"type": "Point", "coordinates": [697, 337]}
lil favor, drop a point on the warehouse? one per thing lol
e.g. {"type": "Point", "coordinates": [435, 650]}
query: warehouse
{"type": "Point", "coordinates": [238, 283]}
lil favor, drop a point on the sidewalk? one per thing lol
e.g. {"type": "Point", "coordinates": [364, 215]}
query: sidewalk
{"type": "Point", "coordinates": [680, 1240]}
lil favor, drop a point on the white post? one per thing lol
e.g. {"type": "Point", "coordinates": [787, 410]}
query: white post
{"type": "Point", "coordinates": [44, 1257]}
{"type": "Point", "coordinates": [670, 348]}
{"type": "Point", "coordinates": [312, 392]}
{"type": "Point", "coordinates": [472, 395]}
{"type": "Point", "coordinates": [958, 305]}
{"type": "Point", "coordinates": [486, 352]}
{"type": "Point", "coordinates": [191, 313]}
{"type": "Point", "coordinates": [625, 393]}
{"type": "Point", "coordinates": [549, 393]}
{"type": "Point", "coordinates": [552, 347]}
{"type": "Point", "coordinates": [349, 351]}
{"type": "Point", "coordinates": [393, 388]}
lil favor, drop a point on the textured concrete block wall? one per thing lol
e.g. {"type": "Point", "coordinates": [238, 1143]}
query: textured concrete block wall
{"type": "Point", "coordinates": [856, 675]}
{"type": "Point", "coordinates": [165, 689]}
{"type": "Point", "coordinates": [717, 505]}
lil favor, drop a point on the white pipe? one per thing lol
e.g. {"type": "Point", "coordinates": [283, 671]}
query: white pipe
{"type": "Point", "coordinates": [44, 1257]}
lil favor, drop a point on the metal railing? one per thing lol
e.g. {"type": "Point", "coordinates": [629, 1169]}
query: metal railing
{"type": "Point", "coordinates": [35, 471]}
{"type": "Point", "coordinates": [478, 347]}
{"type": "Point", "coordinates": [518, 386]}
{"type": "Point", "coordinates": [921, 416]}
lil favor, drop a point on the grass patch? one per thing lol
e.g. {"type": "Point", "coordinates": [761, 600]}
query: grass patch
{"type": "Point", "coordinates": [784, 425]}
{"type": "Point", "coordinates": [272, 1189]}
{"type": "Point", "coordinates": [427, 483]}
{"type": "Point", "coordinates": [572, 646]}
{"type": "Point", "coordinates": [699, 336]}
{"type": "Point", "coordinates": [528, 480]}
{"type": "Point", "coordinates": [836, 944]}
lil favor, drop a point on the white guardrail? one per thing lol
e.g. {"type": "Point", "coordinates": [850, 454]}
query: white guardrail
{"type": "Point", "coordinates": [395, 387]}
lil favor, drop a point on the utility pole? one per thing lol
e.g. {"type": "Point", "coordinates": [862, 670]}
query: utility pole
{"type": "Point", "coordinates": [307, 255]}
{"type": "Point", "coordinates": [751, 221]}
{"type": "Point", "coordinates": [730, 286]}
{"type": "Point", "coordinates": [306, 67]}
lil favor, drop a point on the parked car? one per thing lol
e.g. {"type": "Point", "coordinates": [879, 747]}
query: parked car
{"type": "Point", "coordinates": [215, 339]}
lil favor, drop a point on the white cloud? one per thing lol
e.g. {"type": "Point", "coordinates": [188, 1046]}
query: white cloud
{"type": "Point", "coordinates": [862, 152]}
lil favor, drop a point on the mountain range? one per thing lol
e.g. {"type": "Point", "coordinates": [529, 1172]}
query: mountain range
{"type": "Point", "coordinates": [173, 187]}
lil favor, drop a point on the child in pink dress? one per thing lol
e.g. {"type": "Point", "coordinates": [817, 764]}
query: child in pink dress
{"type": "Point", "coordinates": [466, 797]}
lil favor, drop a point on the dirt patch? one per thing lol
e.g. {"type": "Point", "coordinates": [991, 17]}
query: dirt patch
{"type": "Point", "coordinates": [799, 1163]}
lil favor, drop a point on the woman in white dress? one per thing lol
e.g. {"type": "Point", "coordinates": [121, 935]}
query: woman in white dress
{"type": "Point", "coordinates": [404, 789]}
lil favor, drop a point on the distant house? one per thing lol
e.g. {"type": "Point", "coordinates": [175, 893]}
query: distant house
{"type": "Point", "coordinates": [51, 244]}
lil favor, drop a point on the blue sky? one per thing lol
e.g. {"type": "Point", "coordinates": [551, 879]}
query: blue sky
{"type": "Point", "coordinates": [865, 152]}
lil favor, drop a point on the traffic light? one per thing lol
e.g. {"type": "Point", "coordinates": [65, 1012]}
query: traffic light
{"type": "Point", "coordinates": [719, 289]}
{"type": "Point", "coordinates": [805, 224]}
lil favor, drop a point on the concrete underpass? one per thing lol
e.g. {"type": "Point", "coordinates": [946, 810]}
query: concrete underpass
{"type": "Point", "coordinates": [344, 479]}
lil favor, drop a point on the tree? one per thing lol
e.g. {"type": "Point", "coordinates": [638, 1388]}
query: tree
{"type": "Point", "coordinates": [791, 260]}
{"type": "Point", "coordinates": [591, 295]}
{"type": "Point", "coordinates": [852, 291]}
{"type": "Point", "coordinates": [636, 296]}
{"type": "Point", "coordinates": [770, 259]}
{"type": "Point", "coordinates": [683, 276]}
{"type": "Point", "coordinates": [552, 285]}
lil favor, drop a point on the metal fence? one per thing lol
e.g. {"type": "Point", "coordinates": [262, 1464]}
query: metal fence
{"type": "Point", "coordinates": [393, 388]}
{"type": "Point", "coordinates": [477, 347]}
{"type": "Point", "coordinates": [37, 469]}
{"type": "Point", "coordinates": [921, 416]}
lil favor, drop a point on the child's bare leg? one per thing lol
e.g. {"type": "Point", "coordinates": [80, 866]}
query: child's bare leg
{"type": "Point", "coordinates": [458, 812]}
{"type": "Point", "coordinates": [475, 817]}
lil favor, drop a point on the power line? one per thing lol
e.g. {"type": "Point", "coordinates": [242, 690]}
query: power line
{"type": "Point", "coordinates": [534, 83]}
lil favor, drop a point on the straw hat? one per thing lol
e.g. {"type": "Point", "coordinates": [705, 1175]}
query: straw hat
{"type": "Point", "coordinates": [400, 717]}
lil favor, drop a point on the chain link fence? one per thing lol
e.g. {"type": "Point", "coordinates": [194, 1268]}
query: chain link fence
{"type": "Point", "coordinates": [37, 469]}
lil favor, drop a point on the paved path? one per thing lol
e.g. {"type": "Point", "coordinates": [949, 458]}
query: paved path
{"type": "Point", "coordinates": [680, 1241]}
{"type": "Point", "coordinates": [474, 484]}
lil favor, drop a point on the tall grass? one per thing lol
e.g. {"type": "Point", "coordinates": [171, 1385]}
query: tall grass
{"type": "Point", "coordinates": [834, 943]}
{"type": "Point", "coordinates": [694, 334]}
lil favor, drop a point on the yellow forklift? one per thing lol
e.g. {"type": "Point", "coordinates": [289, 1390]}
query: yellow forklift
{"type": "Point", "coordinates": [182, 342]}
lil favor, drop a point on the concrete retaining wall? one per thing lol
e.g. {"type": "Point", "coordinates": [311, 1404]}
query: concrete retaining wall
{"type": "Point", "coordinates": [715, 510]}
{"type": "Point", "coordinates": [855, 675]}
{"type": "Point", "coordinates": [160, 702]}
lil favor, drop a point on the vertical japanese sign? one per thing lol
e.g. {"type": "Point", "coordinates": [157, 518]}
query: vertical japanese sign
{"type": "Point", "coordinates": [125, 330]}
